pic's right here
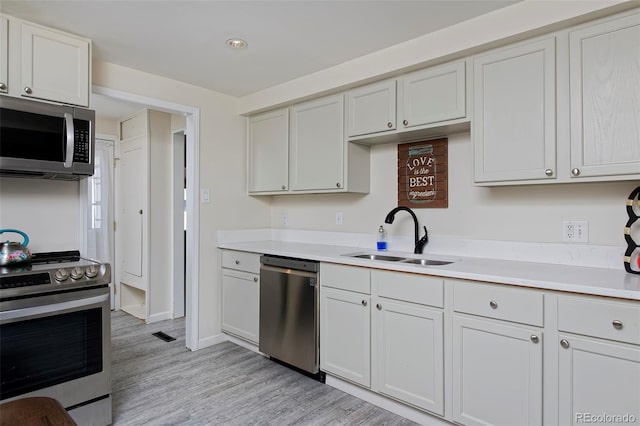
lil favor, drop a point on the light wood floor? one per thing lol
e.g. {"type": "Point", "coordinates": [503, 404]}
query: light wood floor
{"type": "Point", "coordinates": [162, 383]}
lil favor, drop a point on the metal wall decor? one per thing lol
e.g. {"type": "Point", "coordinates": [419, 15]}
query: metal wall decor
{"type": "Point", "coordinates": [423, 174]}
{"type": "Point", "coordinates": [632, 233]}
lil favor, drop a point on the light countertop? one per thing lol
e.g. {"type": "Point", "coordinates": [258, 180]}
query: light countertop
{"type": "Point", "coordinates": [568, 278]}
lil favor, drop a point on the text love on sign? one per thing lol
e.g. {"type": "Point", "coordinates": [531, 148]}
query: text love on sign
{"type": "Point", "coordinates": [423, 174]}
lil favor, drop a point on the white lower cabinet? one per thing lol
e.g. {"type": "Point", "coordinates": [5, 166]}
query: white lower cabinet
{"type": "Point", "coordinates": [408, 353]}
{"type": "Point", "coordinates": [497, 373]}
{"type": "Point", "coordinates": [599, 381]}
{"type": "Point", "coordinates": [241, 294]}
{"type": "Point", "coordinates": [345, 334]}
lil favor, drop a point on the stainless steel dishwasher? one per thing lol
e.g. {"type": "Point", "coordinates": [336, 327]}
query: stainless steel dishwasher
{"type": "Point", "coordinates": [289, 306]}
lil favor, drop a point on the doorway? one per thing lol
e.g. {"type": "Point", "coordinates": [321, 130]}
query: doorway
{"type": "Point", "coordinates": [189, 252]}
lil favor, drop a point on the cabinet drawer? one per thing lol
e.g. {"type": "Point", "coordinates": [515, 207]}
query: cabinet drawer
{"type": "Point", "coordinates": [242, 261]}
{"type": "Point", "coordinates": [504, 303]}
{"type": "Point", "coordinates": [350, 278]}
{"type": "Point", "coordinates": [409, 287]}
{"type": "Point", "coordinates": [605, 319]}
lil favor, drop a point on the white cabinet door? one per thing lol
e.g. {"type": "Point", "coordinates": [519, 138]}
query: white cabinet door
{"type": "Point", "coordinates": [55, 66]}
{"type": "Point", "coordinates": [268, 150]}
{"type": "Point", "coordinates": [408, 354]}
{"type": "Point", "coordinates": [241, 304]}
{"type": "Point", "coordinates": [317, 145]}
{"type": "Point", "coordinates": [513, 127]}
{"type": "Point", "coordinates": [372, 109]}
{"type": "Point", "coordinates": [605, 98]}
{"type": "Point", "coordinates": [598, 378]}
{"type": "Point", "coordinates": [433, 95]}
{"type": "Point", "coordinates": [345, 335]}
{"type": "Point", "coordinates": [4, 55]}
{"type": "Point", "coordinates": [497, 373]}
{"type": "Point", "coordinates": [132, 215]}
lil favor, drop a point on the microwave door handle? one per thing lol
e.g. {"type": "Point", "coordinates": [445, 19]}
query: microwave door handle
{"type": "Point", "coordinates": [68, 119]}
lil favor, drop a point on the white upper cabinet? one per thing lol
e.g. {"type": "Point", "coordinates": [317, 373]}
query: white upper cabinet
{"type": "Point", "coordinates": [372, 108]}
{"type": "Point", "coordinates": [317, 144]}
{"type": "Point", "coordinates": [4, 54]}
{"type": "Point", "coordinates": [432, 95]}
{"type": "Point", "coordinates": [605, 98]}
{"type": "Point", "coordinates": [268, 151]}
{"type": "Point", "coordinates": [45, 64]}
{"type": "Point", "coordinates": [514, 132]}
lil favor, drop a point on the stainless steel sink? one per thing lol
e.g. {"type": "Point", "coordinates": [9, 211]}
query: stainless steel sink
{"type": "Point", "coordinates": [427, 262]}
{"type": "Point", "coordinates": [379, 257]}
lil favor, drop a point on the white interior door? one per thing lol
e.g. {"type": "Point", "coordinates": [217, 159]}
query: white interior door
{"type": "Point", "coordinates": [132, 189]}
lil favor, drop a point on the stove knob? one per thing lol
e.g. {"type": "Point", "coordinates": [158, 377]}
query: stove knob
{"type": "Point", "coordinates": [92, 271]}
{"type": "Point", "coordinates": [61, 275]}
{"type": "Point", "coordinates": [77, 273]}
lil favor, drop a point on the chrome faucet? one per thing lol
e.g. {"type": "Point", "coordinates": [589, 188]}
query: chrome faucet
{"type": "Point", "coordinates": [419, 242]}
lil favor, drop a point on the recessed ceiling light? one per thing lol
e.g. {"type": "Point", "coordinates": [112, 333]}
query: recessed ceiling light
{"type": "Point", "coordinates": [236, 43]}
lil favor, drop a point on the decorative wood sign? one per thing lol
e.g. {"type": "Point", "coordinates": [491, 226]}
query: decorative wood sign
{"type": "Point", "coordinates": [423, 179]}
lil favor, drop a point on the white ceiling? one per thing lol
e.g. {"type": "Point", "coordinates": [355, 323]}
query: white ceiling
{"type": "Point", "coordinates": [185, 40]}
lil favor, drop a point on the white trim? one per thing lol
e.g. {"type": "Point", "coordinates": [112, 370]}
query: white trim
{"type": "Point", "coordinates": [247, 345]}
{"type": "Point", "coordinates": [212, 340]}
{"type": "Point", "coordinates": [178, 241]}
{"type": "Point", "coordinates": [193, 189]}
{"type": "Point", "coordinates": [160, 317]}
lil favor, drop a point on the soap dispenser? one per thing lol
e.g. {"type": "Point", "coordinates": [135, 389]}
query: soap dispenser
{"type": "Point", "coordinates": [382, 239]}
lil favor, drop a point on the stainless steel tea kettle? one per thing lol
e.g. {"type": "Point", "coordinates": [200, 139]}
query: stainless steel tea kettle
{"type": "Point", "coordinates": [11, 252]}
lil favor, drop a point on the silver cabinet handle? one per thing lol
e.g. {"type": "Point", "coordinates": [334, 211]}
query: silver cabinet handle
{"type": "Point", "coordinates": [338, 185]}
{"type": "Point", "coordinates": [3, 86]}
{"type": "Point", "coordinates": [255, 279]}
{"type": "Point", "coordinates": [379, 307]}
{"type": "Point", "coordinates": [364, 303]}
{"type": "Point", "coordinates": [534, 338]}
{"type": "Point", "coordinates": [405, 122]}
{"type": "Point", "coordinates": [389, 124]}
{"type": "Point", "coordinates": [548, 172]}
{"type": "Point", "coordinates": [493, 304]}
{"type": "Point", "coordinates": [28, 90]}
{"type": "Point", "coordinates": [564, 343]}
{"type": "Point", "coordinates": [237, 262]}
{"type": "Point", "coordinates": [575, 172]}
{"type": "Point", "coordinates": [617, 324]}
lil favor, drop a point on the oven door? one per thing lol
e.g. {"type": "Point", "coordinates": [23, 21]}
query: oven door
{"type": "Point", "coordinates": [58, 346]}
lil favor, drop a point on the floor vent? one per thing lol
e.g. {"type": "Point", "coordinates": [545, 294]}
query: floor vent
{"type": "Point", "coordinates": [164, 336]}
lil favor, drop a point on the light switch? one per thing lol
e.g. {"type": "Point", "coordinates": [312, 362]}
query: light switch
{"type": "Point", "coordinates": [204, 196]}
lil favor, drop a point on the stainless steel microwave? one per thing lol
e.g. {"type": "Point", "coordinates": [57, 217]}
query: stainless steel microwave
{"type": "Point", "coordinates": [42, 140]}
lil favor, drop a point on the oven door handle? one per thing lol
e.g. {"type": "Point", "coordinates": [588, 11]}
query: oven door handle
{"type": "Point", "coordinates": [55, 307]}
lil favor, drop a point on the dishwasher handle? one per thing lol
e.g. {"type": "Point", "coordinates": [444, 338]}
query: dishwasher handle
{"type": "Point", "coordinates": [289, 263]}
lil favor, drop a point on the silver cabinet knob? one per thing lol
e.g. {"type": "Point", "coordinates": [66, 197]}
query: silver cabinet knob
{"type": "Point", "coordinates": [140, 211]}
{"type": "Point", "coordinates": [255, 279]}
{"type": "Point", "coordinates": [575, 172]}
{"type": "Point", "coordinates": [564, 343]}
{"type": "Point", "coordinates": [28, 90]}
{"type": "Point", "coordinates": [548, 172]}
{"type": "Point", "coordinates": [3, 86]}
{"type": "Point", "coordinates": [283, 187]}
{"type": "Point", "coordinates": [237, 262]}
{"type": "Point", "coordinates": [617, 324]}
{"type": "Point", "coordinates": [534, 338]}
{"type": "Point", "coordinates": [493, 304]}
{"type": "Point", "coordinates": [338, 185]}
{"type": "Point", "coordinates": [405, 122]}
{"type": "Point", "coordinates": [364, 303]}
{"type": "Point", "coordinates": [379, 307]}
{"type": "Point", "coordinates": [389, 124]}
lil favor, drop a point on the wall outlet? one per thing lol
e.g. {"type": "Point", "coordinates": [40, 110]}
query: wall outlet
{"type": "Point", "coordinates": [575, 231]}
{"type": "Point", "coordinates": [284, 219]}
{"type": "Point", "coordinates": [339, 218]}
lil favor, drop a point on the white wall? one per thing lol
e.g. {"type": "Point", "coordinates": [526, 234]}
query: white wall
{"type": "Point", "coordinates": [107, 126]}
{"type": "Point", "coordinates": [222, 171]}
{"type": "Point", "coordinates": [522, 213]}
{"type": "Point", "coordinates": [47, 211]}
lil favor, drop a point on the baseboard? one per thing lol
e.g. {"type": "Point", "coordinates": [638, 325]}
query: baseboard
{"type": "Point", "coordinates": [386, 403]}
{"type": "Point", "coordinates": [160, 317]}
{"type": "Point", "coordinates": [240, 342]}
{"type": "Point", "coordinates": [211, 340]}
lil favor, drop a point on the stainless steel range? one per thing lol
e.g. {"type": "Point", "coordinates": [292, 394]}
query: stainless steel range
{"type": "Point", "coordinates": [55, 333]}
